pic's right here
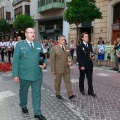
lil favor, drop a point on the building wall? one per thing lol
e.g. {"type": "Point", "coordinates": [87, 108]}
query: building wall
{"type": "Point", "coordinates": [100, 25]}
{"type": "Point", "coordinates": [47, 14]}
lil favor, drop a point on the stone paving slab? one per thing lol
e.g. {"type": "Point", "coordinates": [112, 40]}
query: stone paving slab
{"type": "Point", "coordinates": [52, 108]}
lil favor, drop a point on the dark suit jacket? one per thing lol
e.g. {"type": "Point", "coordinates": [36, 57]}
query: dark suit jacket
{"type": "Point", "coordinates": [83, 56]}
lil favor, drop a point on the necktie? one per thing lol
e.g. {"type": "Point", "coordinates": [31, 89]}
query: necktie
{"type": "Point", "coordinates": [63, 48]}
{"type": "Point", "coordinates": [31, 45]}
{"type": "Point", "coordinates": [86, 45]}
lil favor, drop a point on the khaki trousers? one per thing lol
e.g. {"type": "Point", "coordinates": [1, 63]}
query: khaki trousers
{"type": "Point", "coordinates": [66, 77]}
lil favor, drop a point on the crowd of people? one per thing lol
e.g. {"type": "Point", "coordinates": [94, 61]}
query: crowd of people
{"type": "Point", "coordinates": [104, 50]}
{"type": "Point", "coordinates": [108, 53]}
{"type": "Point", "coordinates": [7, 47]}
{"type": "Point", "coordinates": [27, 66]}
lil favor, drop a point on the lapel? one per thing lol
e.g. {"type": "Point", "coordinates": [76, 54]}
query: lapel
{"type": "Point", "coordinates": [27, 45]}
{"type": "Point", "coordinates": [35, 45]}
{"type": "Point", "coordinates": [61, 50]}
{"type": "Point", "coordinates": [86, 48]}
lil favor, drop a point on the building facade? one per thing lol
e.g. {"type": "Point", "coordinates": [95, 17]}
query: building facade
{"type": "Point", "coordinates": [108, 27]}
{"type": "Point", "coordinates": [48, 15]}
{"type": "Point", "coordinates": [49, 18]}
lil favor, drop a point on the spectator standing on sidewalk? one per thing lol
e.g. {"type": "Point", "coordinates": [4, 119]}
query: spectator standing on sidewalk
{"type": "Point", "coordinates": [85, 56]}
{"type": "Point", "coordinates": [2, 49]}
{"type": "Point", "coordinates": [100, 51]}
{"type": "Point", "coordinates": [113, 54]}
{"type": "Point", "coordinates": [60, 61]}
{"type": "Point", "coordinates": [9, 49]}
{"type": "Point", "coordinates": [72, 48]}
{"type": "Point", "coordinates": [108, 53]}
{"type": "Point", "coordinates": [18, 40]}
{"type": "Point", "coordinates": [118, 54]}
{"type": "Point", "coordinates": [28, 72]}
{"type": "Point", "coordinates": [116, 47]}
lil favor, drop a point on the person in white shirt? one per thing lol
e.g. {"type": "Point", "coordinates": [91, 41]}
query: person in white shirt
{"type": "Point", "coordinates": [10, 49]}
{"type": "Point", "coordinates": [18, 40]}
{"type": "Point", "coordinates": [2, 48]}
{"type": "Point", "coordinates": [72, 48]}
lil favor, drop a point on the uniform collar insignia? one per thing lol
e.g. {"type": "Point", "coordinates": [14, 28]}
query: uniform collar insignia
{"type": "Point", "coordinates": [83, 48]}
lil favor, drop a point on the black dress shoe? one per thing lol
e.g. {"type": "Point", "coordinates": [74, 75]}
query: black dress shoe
{"type": "Point", "coordinates": [82, 93]}
{"type": "Point", "coordinates": [25, 110]}
{"type": "Point", "coordinates": [59, 96]}
{"type": "Point", "coordinates": [92, 94]}
{"type": "Point", "coordinates": [72, 96]}
{"type": "Point", "coordinates": [40, 117]}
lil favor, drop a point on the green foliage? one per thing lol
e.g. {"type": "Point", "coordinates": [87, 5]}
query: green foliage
{"type": "Point", "coordinates": [4, 26]}
{"type": "Point", "coordinates": [23, 21]}
{"type": "Point", "coordinates": [81, 11]}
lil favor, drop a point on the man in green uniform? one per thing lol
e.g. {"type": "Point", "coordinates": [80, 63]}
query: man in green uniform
{"type": "Point", "coordinates": [28, 72]}
{"type": "Point", "coordinates": [61, 60]}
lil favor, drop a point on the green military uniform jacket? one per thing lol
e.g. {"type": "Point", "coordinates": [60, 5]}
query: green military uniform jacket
{"type": "Point", "coordinates": [59, 59]}
{"type": "Point", "coordinates": [26, 61]}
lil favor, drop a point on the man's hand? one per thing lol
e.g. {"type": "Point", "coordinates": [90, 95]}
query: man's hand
{"type": "Point", "coordinates": [53, 73]}
{"type": "Point", "coordinates": [16, 79]}
{"type": "Point", "coordinates": [82, 68]}
{"type": "Point", "coordinates": [93, 58]}
{"type": "Point", "coordinates": [43, 66]}
{"type": "Point", "coordinates": [70, 63]}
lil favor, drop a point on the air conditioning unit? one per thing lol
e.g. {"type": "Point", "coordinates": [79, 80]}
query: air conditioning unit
{"type": "Point", "coordinates": [56, 27]}
{"type": "Point", "coordinates": [42, 28]}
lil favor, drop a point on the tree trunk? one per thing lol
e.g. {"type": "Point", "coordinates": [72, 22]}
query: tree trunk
{"type": "Point", "coordinates": [77, 35]}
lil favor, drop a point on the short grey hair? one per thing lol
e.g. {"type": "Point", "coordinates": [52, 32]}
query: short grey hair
{"type": "Point", "coordinates": [60, 36]}
{"type": "Point", "coordinates": [28, 28]}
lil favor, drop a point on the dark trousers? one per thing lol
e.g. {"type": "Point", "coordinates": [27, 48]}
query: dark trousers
{"type": "Point", "coordinates": [9, 55]}
{"type": "Point", "coordinates": [72, 52]}
{"type": "Point", "coordinates": [88, 73]}
{"type": "Point", "coordinates": [2, 54]}
{"type": "Point", "coordinates": [12, 52]}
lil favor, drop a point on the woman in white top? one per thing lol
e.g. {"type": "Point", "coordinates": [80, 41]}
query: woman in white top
{"type": "Point", "coordinates": [101, 50]}
{"type": "Point", "coordinates": [72, 48]}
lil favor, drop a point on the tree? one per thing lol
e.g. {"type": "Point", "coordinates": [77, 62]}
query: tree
{"type": "Point", "coordinates": [81, 11]}
{"type": "Point", "coordinates": [23, 21]}
{"type": "Point", "coordinates": [4, 25]}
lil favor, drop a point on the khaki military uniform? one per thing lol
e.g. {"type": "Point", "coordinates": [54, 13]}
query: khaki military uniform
{"type": "Point", "coordinates": [59, 65]}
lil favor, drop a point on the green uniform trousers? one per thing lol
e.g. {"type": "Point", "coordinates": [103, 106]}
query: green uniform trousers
{"type": "Point", "coordinates": [36, 94]}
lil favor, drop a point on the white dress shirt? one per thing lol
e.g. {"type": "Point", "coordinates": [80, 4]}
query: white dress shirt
{"type": "Point", "coordinates": [30, 43]}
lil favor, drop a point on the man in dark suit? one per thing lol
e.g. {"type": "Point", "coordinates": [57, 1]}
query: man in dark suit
{"type": "Point", "coordinates": [85, 57]}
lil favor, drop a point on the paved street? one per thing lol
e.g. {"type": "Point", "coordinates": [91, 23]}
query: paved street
{"type": "Point", "coordinates": [105, 107]}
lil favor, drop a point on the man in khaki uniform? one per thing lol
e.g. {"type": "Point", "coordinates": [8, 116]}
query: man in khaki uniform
{"type": "Point", "coordinates": [61, 61]}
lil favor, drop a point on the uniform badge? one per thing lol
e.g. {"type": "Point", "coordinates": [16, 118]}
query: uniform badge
{"type": "Point", "coordinates": [24, 55]}
{"type": "Point", "coordinates": [38, 48]}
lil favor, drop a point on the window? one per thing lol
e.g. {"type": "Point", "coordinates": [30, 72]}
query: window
{"type": "Point", "coordinates": [8, 15]}
{"type": "Point", "coordinates": [27, 10]}
{"type": "Point", "coordinates": [116, 13]}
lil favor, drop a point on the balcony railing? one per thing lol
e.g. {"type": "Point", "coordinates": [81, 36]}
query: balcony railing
{"type": "Point", "coordinates": [44, 5]}
{"type": "Point", "coordinates": [19, 1]}
{"type": "Point", "coordinates": [16, 1]}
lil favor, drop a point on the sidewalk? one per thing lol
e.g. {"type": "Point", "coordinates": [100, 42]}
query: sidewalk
{"type": "Point", "coordinates": [52, 108]}
{"type": "Point", "coordinates": [106, 106]}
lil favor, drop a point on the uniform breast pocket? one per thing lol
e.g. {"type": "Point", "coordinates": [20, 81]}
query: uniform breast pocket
{"type": "Point", "coordinates": [24, 54]}
{"type": "Point", "coordinates": [58, 55]}
{"type": "Point", "coordinates": [38, 50]}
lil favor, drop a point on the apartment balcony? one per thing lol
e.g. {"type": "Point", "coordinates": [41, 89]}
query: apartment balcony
{"type": "Point", "coordinates": [16, 2]}
{"type": "Point", "coordinates": [45, 5]}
